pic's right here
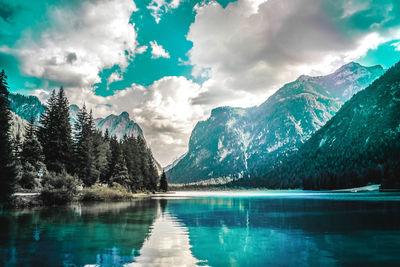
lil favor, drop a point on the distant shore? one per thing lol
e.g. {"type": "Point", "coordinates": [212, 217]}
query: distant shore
{"type": "Point", "coordinates": [31, 200]}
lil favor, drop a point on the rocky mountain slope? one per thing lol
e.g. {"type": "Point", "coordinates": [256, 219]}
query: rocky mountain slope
{"type": "Point", "coordinates": [359, 145]}
{"type": "Point", "coordinates": [18, 126]}
{"type": "Point", "coordinates": [235, 142]}
{"type": "Point", "coordinates": [26, 106]}
{"type": "Point", "coordinates": [118, 125]}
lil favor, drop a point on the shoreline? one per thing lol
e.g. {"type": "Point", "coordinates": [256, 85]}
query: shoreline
{"type": "Point", "coordinates": [23, 200]}
{"type": "Point", "coordinates": [33, 200]}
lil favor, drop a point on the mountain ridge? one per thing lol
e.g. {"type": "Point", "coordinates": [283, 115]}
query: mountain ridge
{"type": "Point", "coordinates": [27, 106]}
{"type": "Point", "coordinates": [359, 145]}
{"type": "Point", "coordinates": [234, 142]}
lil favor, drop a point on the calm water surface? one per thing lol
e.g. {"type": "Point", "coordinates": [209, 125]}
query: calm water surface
{"type": "Point", "coordinates": [213, 229]}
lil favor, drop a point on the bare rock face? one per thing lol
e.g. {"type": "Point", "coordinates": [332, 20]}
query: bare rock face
{"type": "Point", "coordinates": [234, 142]}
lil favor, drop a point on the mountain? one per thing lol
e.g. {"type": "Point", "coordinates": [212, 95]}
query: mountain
{"type": "Point", "coordinates": [359, 145]}
{"type": "Point", "coordinates": [73, 114]}
{"type": "Point", "coordinates": [119, 126]}
{"type": "Point", "coordinates": [236, 142]}
{"type": "Point", "coordinates": [26, 106]}
{"type": "Point", "coordinates": [18, 126]}
{"type": "Point", "coordinates": [173, 164]}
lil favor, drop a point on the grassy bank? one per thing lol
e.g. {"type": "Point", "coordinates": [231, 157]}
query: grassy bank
{"type": "Point", "coordinates": [53, 197]}
{"type": "Point", "coordinates": [105, 193]}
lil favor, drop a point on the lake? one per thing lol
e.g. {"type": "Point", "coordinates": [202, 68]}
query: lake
{"type": "Point", "coordinates": [279, 228]}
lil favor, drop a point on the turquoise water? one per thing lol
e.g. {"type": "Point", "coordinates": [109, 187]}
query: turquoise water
{"type": "Point", "coordinates": [213, 229]}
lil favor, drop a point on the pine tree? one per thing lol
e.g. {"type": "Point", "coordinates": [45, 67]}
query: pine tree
{"type": "Point", "coordinates": [31, 157]}
{"type": "Point", "coordinates": [16, 147]}
{"type": "Point", "coordinates": [143, 164]}
{"type": "Point", "coordinates": [153, 174]}
{"type": "Point", "coordinates": [121, 175]}
{"type": "Point", "coordinates": [84, 150]}
{"type": "Point", "coordinates": [163, 182]}
{"type": "Point", "coordinates": [31, 148]}
{"type": "Point", "coordinates": [55, 133]}
{"type": "Point", "coordinates": [107, 135]}
{"type": "Point", "coordinates": [101, 155]}
{"type": "Point", "coordinates": [64, 131]}
{"type": "Point", "coordinates": [7, 170]}
{"type": "Point", "coordinates": [47, 134]}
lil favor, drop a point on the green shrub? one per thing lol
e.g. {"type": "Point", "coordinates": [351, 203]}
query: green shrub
{"type": "Point", "coordinates": [59, 188]}
{"type": "Point", "coordinates": [99, 192]}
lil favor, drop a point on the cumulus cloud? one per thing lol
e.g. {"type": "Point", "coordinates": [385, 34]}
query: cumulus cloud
{"type": "Point", "coordinates": [141, 49]}
{"type": "Point", "coordinates": [114, 77]}
{"type": "Point", "coordinates": [396, 46]}
{"type": "Point", "coordinates": [164, 110]}
{"type": "Point", "coordinates": [158, 51]}
{"type": "Point", "coordinates": [243, 53]}
{"type": "Point", "coordinates": [250, 48]}
{"type": "Point", "coordinates": [79, 43]}
{"type": "Point", "coordinates": [159, 7]}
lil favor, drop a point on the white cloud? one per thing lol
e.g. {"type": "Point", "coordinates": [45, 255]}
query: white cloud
{"type": "Point", "coordinates": [79, 43]}
{"type": "Point", "coordinates": [396, 46]}
{"type": "Point", "coordinates": [158, 51]}
{"type": "Point", "coordinates": [164, 110]}
{"type": "Point", "coordinates": [114, 77]}
{"type": "Point", "coordinates": [353, 6]}
{"type": "Point", "coordinates": [159, 7]}
{"type": "Point", "coordinates": [141, 49]}
{"type": "Point", "coordinates": [251, 48]}
{"type": "Point", "coordinates": [244, 52]}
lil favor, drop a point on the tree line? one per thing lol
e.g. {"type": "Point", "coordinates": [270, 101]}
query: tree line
{"type": "Point", "coordinates": [56, 154]}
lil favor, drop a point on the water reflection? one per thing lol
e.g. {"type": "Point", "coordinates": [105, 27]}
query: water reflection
{"type": "Point", "coordinates": [106, 234]}
{"type": "Point", "coordinates": [291, 231]}
{"type": "Point", "coordinates": [216, 231]}
{"type": "Point", "coordinates": [167, 244]}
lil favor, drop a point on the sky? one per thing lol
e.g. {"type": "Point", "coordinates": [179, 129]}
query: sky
{"type": "Point", "coordinates": [169, 63]}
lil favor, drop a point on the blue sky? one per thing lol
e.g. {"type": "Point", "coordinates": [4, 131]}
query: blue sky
{"type": "Point", "coordinates": [168, 63]}
{"type": "Point", "coordinates": [142, 70]}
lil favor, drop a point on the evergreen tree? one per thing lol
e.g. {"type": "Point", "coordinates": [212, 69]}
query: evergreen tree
{"type": "Point", "coordinates": [31, 157]}
{"type": "Point", "coordinates": [114, 158]}
{"type": "Point", "coordinates": [7, 169]}
{"type": "Point", "coordinates": [16, 144]}
{"type": "Point", "coordinates": [84, 150]}
{"type": "Point", "coordinates": [47, 133]}
{"type": "Point", "coordinates": [121, 175]}
{"type": "Point", "coordinates": [153, 174]}
{"type": "Point", "coordinates": [163, 182]}
{"type": "Point", "coordinates": [64, 131]}
{"type": "Point", "coordinates": [55, 133]}
{"type": "Point", "coordinates": [142, 182]}
{"type": "Point", "coordinates": [31, 149]}
{"type": "Point", "coordinates": [101, 155]}
{"type": "Point", "coordinates": [107, 136]}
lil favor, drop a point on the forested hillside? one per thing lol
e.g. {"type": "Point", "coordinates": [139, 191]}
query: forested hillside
{"type": "Point", "coordinates": [359, 145]}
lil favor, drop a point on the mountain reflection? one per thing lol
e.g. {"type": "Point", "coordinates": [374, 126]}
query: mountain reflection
{"type": "Point", "coordinates": [243, 231]}
{"type": "Point", "coordinates": [339, 230]}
